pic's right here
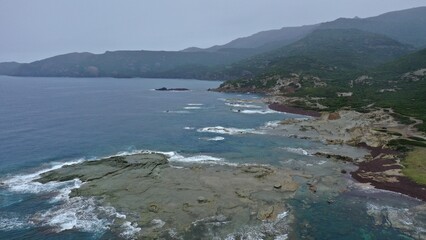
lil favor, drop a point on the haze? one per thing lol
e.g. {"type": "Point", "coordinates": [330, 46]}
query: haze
{"type": "Point", "coordinates": [32, 30]}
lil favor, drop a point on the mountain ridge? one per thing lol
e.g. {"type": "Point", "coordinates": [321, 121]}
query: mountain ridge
{"type": "Point", "coordinates": [410, 29]}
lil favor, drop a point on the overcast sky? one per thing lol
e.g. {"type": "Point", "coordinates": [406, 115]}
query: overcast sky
{"type": "Point", "coordinates": [36, 29]}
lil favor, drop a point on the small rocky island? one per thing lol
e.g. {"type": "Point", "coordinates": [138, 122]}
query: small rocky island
{"type": "Point", "coordinates": [171, 89]}
{"type": "Point", "coordinates": [166, 199]}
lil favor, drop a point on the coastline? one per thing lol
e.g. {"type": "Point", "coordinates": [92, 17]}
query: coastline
{"type": "Point", "coordinates": [178, 199]}
{"type": "Point", "coordinates": [151, 193]}
{"type": "Point", "coordinates": [387, 161]}
{"type": "Point", "coordinates": [382, 169]}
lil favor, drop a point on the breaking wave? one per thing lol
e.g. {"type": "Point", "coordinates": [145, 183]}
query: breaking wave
{"type": "Point", "coordinates": [240, 105]}
{"type": "Point", "coordinates": [215, 139]}
{"type": "Point", "coordinates": [228, 131]}
{"type": "Point", "coordinates": [299, 151]}
{"type": "Point", "coordinates": [251, 111]}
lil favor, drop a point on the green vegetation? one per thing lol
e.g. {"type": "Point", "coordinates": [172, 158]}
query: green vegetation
{"type": "Point", "coordinates": [129, 64]}
{"type": "Point", "coordinates": [415, 165]}
{"type": "Point", "coordinates": [332, 54]}
{"type": "Point", "coordinates": [417, 139]}
{"type": "Point", "coordinates": [367, 65]}
{"type": "Point", "coordinates": [397, 143]}
{"type": "Point", "coordinates": [402, 119]}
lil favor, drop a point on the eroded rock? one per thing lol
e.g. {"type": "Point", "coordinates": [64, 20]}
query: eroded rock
{"type": "Point", "coordinates": [179, 197]}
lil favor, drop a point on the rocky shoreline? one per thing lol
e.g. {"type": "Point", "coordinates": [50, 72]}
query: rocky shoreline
{"type": "Point", "coordinates": [382, 168]}
{"type": "Point", "coordinates": [383, 171]}
{"type": "Point", "coordinates": [186, 200]}
{"type": "Point", "coordinates": [176, 200]}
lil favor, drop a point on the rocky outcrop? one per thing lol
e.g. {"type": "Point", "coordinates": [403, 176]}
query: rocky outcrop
{"type": "Point", "coordinates": [171, 89]}
{"type": "Point", "coordinates": [185, 197]}
{"type": "Point", "coordinates": [362, 80]}
{"type": "Point", "coordinates": [334, 116]}
{"type": "Point", "coordinates": [403, 219]}
{"type": "Point", "coordinates": [342, 127]}
{"type": "Point", "coordinates": [415, 75]}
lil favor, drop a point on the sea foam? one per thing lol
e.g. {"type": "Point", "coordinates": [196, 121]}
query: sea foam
{"type": "Point", "coordinates": [214, 139]}
{"type": "Point", "coordinates": [67, 213]}
{"type": "Point", "coordinates": [240, 105]}
{"type": "Point", "coordinates": [252, 111]}
{"type": "Point", "coordinates": [228, 131]}
{"type": "Point", "coordinates": [14, 223]}
{"type": "Point", "coordinates": [300, 151]}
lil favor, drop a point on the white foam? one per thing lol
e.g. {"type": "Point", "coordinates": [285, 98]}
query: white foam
{"type": "Point", "coordinates": [80, 213]}
{"type": "Point", "coordinates": [189, 128]}
{"type": "Point", "coordinates": [281, 237]}
{"type": "Point", "coordinates": [240, 105]}
{"type": "Point", "coordinates": [215, 139]}
{"type": "Point", "coordinates": [158, 223]}
{"type": "Point", "coordinates": [272, 124]}
{"type": "Point", "coordinates": [282, 216]}
{"type": "Point", "coordinates": [229, 131]}
{"type": "Point", "coordinates": [75, 213]}
{"type": "Point", "coordinates": [192, 108]}
{"type": "Point", "coordinates": [213, 220]}
{"type": "Point", "coordinates": [14, 223]}
{"type": "Point", "coordinates": [237, 100]}
{"type": "Point", "coordinates": [129, 230]}
{"type": "Point", "coordinates": [25, 182]}
{"type": "Point", "coordinates": [401, 215]}
{"type": "Point", "coordinates": [72, 213]}
{"type": "Point", "coordinates": [178, 112]}
{"type": "Point", "coordinates": [252, 111]}
{"type": "Point", "coordinates": [198, 158]}
{"type": "Point", "coordinates": [300, 151]}
{"type": "Point", "coordinates": [321, 162]}
{"type": "Point", "coordinates": [173, 156]}
{"type": "Point", "coordinates": [204, 159]}
{"type": "Point", "coordinates": [267, 229]}
{"type": "Point", "coordinates": [195, 104]}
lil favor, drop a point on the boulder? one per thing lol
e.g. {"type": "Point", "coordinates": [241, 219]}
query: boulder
{"type": "Point", "coordinates": [334, 116]}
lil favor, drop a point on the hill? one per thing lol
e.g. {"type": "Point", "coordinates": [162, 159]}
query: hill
{"type": "Point", "coordinates": [328, 55]}
{"type": "Point", "coordinates": [407, 26]}
{"type": "Point", "coordinates": [8, 68]}
{"type": "Point", "coordinates": [126, 63]}
{"type": "Point", "coordinates": [401, 85]}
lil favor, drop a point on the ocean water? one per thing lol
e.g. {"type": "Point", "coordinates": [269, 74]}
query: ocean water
{"type": "Point", "coordinates": [48, 122]}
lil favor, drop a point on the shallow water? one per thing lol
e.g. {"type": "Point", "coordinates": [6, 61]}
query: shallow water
{"type": "Point", "coordinates": [45, 122]}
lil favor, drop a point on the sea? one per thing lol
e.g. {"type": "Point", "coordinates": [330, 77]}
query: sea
{"type": "Point", "coordinates": [46, 123]}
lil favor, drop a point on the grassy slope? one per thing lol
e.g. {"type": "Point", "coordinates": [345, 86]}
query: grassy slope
{"type": "Point", "coordinates": [415, 165]}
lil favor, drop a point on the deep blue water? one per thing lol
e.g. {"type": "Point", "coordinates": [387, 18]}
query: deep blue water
{"type": "Point", "coordinates": [47, 121]}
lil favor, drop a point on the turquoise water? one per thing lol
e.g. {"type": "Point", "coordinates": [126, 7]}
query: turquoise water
{"type": "Point", "coordinates": [45, 122]}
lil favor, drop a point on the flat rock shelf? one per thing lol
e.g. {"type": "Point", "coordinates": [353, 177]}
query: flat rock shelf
{"type": "Point", "coordinates": [187, 198]}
